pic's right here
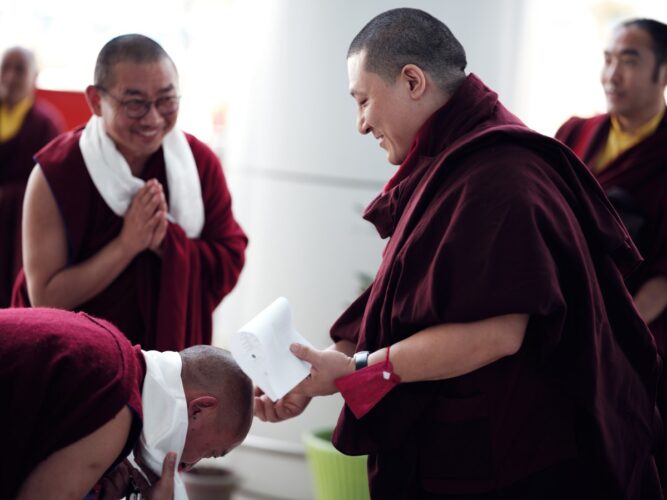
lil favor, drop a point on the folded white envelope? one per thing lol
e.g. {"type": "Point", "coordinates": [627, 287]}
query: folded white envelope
{"type": "Point", "coordinates": [261, 348]}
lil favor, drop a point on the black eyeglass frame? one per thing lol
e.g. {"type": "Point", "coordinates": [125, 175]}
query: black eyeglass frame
{"type": "Point", "coordinates": [144, 105]}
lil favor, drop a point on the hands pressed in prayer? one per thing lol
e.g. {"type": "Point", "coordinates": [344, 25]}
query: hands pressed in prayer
{"type": "Point", "coordinates": [145, 223]}
{"type": "Point", "coordinates": [160, 230]}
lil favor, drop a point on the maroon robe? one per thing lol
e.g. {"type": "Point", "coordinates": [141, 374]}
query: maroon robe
{"type": "Point", "coordinates": [41, 124]}
{"type": "Point", "coordinates": [488, 218]}
{"type": "Point", "coordinates": [640, 171]}
{"type": "Point", "coordinates": [62, 376]}
{"type": "Point", "coordinates": [161, 303]}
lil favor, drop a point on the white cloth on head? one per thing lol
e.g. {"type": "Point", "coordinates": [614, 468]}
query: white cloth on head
{"type": "Point", "coordinates": [114, 181]}
{"type": "Point", "coordinates": [165, 413]}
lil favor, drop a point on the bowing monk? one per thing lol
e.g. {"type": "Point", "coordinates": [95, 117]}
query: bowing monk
{"type": "Point", "coordinates": [129, 218]}
{"type": "Point", "coordinates": [78, 397]}
{"type": "Point", "coordinates": [497, 353]}
{"type": "Point", "coordinates": [626, 149]}
{"type": "Point", "coordinates": [26, 125]}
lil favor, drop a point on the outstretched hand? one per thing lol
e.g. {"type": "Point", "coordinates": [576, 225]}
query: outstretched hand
{"type": "Point", "coordinates": [326, 367]}
{"type": "Point", "coordinates": [290, 405]}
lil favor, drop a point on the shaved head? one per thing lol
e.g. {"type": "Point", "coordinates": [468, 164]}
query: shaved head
{"type": "Point", "coordinates": [18, 72]}
{"type": "Point", "coordinates": [211, 370]}
{"type": "Point", "coordinates": [411, 36]}
{"type": "Point", "coordinates": [132, 48]}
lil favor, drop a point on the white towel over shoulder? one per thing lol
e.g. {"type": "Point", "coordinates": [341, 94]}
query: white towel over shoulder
{"type": "Point", "coordinates": [165, 413]}
{"type": "Point", "coordinates": [114, 180]}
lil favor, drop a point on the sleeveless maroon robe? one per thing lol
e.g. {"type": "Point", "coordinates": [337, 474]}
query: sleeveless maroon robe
{"type": "Point", "coordinates": [161, 303]}
{"type": "Point", "coordinates": [489, 218]}
{"type": "Point", "coordinates": [62, 376]}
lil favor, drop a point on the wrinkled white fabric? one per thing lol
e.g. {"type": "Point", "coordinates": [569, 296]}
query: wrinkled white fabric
{"type": "Point", "coordinates": [114, 181]}
{"type": "Point", "coordinates": [165, 414]}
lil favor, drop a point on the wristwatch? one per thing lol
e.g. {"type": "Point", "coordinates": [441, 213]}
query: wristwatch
{"type": "Point", "coordinates": [360, 360]}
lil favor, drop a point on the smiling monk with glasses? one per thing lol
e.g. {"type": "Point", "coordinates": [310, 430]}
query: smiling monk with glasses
{"type": "Point", "coordinates": [129, 218]}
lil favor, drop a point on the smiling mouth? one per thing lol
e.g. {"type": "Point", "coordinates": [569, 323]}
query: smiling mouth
{"type": "Point", "coordinates": [148, 133]}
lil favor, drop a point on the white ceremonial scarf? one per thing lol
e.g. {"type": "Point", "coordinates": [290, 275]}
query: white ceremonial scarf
{"type": "Point", "coordinates": [165, 412]}
{"type": "Point", "coordinates": [114, 180]}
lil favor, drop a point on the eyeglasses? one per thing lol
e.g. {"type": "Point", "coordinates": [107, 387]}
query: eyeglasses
{"type": "Point", "coordinates": [138, 108]}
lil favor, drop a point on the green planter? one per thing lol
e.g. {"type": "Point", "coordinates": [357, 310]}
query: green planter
{"type": "Point", "coordinates": [335, 476]}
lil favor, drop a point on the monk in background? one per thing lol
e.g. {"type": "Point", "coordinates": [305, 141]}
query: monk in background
{"type": "Point", "coordinates": [129, 218]}
{"type": "Point", "coordinates": [26, 125]}
{"type": "Point", "coordinates": [626, 149]}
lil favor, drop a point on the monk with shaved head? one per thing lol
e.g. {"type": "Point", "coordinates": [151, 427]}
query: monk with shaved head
{"type": "Point", "coordinates": [81, 398]}
{"type": "Point", "coordinates": [129, 218]}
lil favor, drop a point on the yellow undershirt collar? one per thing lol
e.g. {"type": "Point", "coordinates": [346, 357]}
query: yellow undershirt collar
{"type": "Point", "coordinates": [618, 140]}
{"type": "Point", "coordinates": [11, 120]}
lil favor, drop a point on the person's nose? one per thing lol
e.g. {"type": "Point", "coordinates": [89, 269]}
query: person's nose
{"type": "Point", "coordinates": [362, 124]}
{"type": "Point", "coordinates": [153, 116]}
{"type": "Point", "coordinates": [612, 72]}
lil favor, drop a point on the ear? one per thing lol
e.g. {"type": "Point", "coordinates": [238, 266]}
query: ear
{"type": "Point", "coordinates": [662, 74]}
{"type": "Point", "coordinates": [200, 406]}
{"type": "Point", "coordinates": [94, 99]}
{"type": "Point", "coordinates": [415, 78]}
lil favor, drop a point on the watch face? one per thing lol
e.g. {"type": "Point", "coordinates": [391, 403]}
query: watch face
{"type": "Point", "coordinates": [360, 360]}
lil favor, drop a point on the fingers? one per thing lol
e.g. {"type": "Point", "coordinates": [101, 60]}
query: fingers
{"type": "Point", "coordinates": [169, 467]}
{"type": "Point", "coordinates": [289, 406]}
{"type": "Point", "coordinates": [159, 232]}
{"type": "Point", "coordinates": [304, 352]}
{"type": "Point", "coordinates": [266, 410]}
{"type": "Point", "coordinates": [262, 407]}
{"type": "Point", "coordinates": [145, 223]}
{"type": "Point", "coordinates": [150, 198]}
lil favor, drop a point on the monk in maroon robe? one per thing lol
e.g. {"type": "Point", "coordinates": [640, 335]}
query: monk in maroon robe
{"type": "Point", "coordinates": [71, 387]}
{"type": "Point", "coordinates": [100, 234]}
{"type": "Point", "coordinates": [626, 149]}
{"type": "Point", "coordinates": [26, 125]}
{"type": "Point", "coordinates": [635, 177]}
{"type": "Point", "coordinates": [497, 353]}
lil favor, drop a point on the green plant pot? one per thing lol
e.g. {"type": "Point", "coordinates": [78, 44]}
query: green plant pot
{"type": "Point", "coordinates": [335, 476]}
